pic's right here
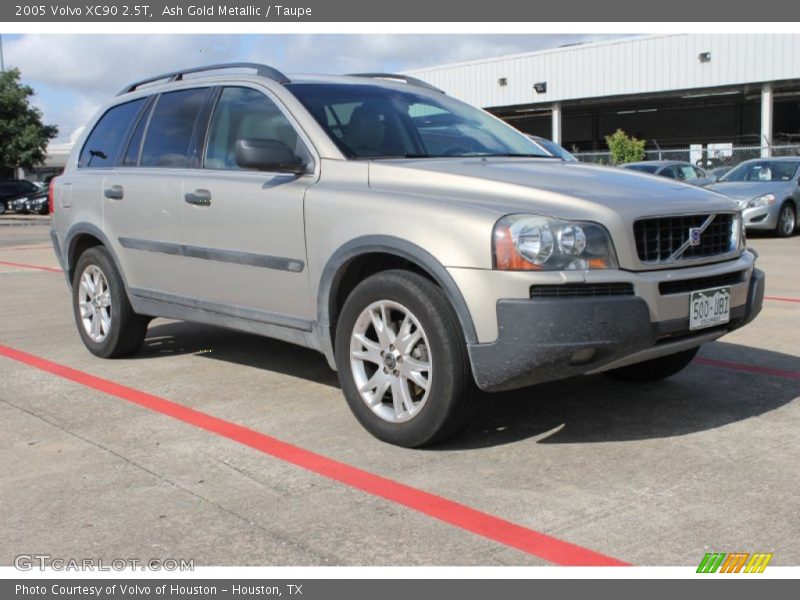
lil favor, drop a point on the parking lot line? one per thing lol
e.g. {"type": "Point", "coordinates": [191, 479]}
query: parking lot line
{"type": "Point", "coordinates": [448, 511]}
{"type": "Point", "coordinates": [6, 263]}
{"type": "Point", "coordinates": [712, 362]}
{"type": "Point", "coordinates": [781, 299]}
{"type": "Point", "coordinates": [37, 247]}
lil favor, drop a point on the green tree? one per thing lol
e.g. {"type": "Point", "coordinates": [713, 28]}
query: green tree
{"type": "Point", "coordinates": [624, 149]}
{"type": "Point", "coordinates": [23, 136]}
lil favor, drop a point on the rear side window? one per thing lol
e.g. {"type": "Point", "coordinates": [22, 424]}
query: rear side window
{"type": "Point", "coordinates": [131, 158]}
{"type": "Point", "coordinates": [103, 144]}
{"type": "Point", "coordinates": [169, 141]}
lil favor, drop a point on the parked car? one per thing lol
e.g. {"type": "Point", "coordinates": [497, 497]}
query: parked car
{"type": "Point", "coordinates": [12, 189]}
{"type": "Point", "coordinates": [552, 148]}
{"type": "Point", "coordinates": [18, 205]}
{"type": "Point", "coordinates": [767, 190]}
{"type": "Point", "coordinates": [37, 204]}
{"type": "Point", "coordinates": [672, 169]}
{"type": "Point", "coordinates": [424, 247]}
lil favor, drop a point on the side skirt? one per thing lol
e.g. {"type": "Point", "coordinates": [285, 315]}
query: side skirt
{"type": "Point", "coordinates": [281, 327]}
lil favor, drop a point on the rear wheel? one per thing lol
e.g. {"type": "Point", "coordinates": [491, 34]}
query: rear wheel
{"type": "Point", "coordinates": [787, 220]}
{"type": "Point", "coordinates": [402, 360]}
{"type": "Point", "coordinates": [656, 369]}
{"type": "Point", "coordinates": [106, 322]}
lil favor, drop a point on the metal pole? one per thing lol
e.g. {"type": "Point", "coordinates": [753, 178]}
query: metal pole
{"type": "Point", "coordinates": [766, 120]}
{"type": "Point", "coordinates": [2, 62]}
{"type": "Point", "coordinates": [556, 121]}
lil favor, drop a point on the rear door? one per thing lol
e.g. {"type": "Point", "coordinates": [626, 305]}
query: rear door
{"type": "Point", "coordinates": [244, 228]}
{"type": "Point", "coordinates": [142, 197]}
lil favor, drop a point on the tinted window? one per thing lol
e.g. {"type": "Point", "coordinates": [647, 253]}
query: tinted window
{"type": "Point", "coordinates": [103, 144]}
{"type": "Point", "coordinates": [243, 113]}
{"type": "Point", "coordinates": [670, 172]}
{"type": "Point", "coordinates": [169, 136]}
{"type": "Point", "coordinates": [643, 168]}
{"type": "Point", "coordinates": [371, 121]}
{"type": "Point", "coordinates": [135, 145]}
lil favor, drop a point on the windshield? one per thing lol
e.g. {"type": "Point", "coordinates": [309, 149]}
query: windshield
{"type": "Point", "coordinates": [762, 170]}
{"type": "Point", "coordinates": [555, 149]}
{"type": "Point", "coordinates": [371, 121]}
{"type": "Point", "coordinates": [642, 168]}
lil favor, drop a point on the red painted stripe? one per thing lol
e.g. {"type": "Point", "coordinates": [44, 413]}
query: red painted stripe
{"type": "Point", "coordinates": [781, 299]}
{"type": "Point", "coordinates": [448, 511]}
{"type": "Point", "coordinates": [6, 263]}
{"type": "Point", "coordinates": [712, 362]}
{"type": "Point", "coordinates": [47, 247]}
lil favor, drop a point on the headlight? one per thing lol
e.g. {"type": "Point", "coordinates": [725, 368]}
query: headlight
{"type": "Point", "coordinates": [534, 243]}
{"type": "Point", "coordinates": [764, 200]}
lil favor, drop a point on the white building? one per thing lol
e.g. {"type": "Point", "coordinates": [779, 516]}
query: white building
{"type": "Point", "coordinates": [672, 90]}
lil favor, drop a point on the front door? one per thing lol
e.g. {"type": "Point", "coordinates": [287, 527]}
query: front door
{"type": "Point", "coordinates": [244, 229]}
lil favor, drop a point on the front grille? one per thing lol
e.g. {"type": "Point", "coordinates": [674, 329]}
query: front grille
{"type": "Point", "coordinates": [657, 239]}
{"type": "Point", "coordinates": [581, 290]}
{"type": "Point", "coordinates": [699, 283]}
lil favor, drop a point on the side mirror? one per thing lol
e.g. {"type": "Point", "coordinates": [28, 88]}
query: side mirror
{"type": "Point", "coordinates": [268, 155]}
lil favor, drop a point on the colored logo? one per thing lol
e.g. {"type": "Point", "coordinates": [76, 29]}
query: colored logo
{"type": "Point", "coordinates": [694, 235]}
{"type": "Point", "coordinates": [736, 562]}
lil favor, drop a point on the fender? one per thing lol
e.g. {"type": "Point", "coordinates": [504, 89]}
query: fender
{"type": "Point", "coordinates": [332, 273]}
{"type": "Point", "coordinates": [70, 240]}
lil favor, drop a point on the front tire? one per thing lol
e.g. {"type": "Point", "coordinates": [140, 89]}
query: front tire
{"type": "Point", "coordinates": [402, 360]}
{"type": "Point", "coordinates": [787, 221]}
{"type": "Point", "coordinates": [655, 369]}
{"type": "Point", "coordinates": [106, 322]}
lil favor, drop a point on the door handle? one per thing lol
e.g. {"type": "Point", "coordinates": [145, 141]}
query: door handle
{"type": "Point", "coordinates": [198, 198]}
{"type": "Point", "coordinates": [115, 192]}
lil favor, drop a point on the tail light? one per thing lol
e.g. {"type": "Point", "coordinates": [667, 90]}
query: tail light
{"type": "Point", "coordinates": [51, 192]}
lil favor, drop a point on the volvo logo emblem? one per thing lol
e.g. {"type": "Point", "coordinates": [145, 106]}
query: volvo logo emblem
{"type": "Point", "coordinates": [694, 235]}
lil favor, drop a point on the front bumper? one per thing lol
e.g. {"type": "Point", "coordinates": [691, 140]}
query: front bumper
{"type": "Point", "coordinates": [545, 340]}
{"type": "Point", "coordinates": [761, 217]}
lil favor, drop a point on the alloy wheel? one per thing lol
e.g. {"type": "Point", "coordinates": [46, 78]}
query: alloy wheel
{"type": "Point", "coordinates": [391, 361]}
{"type": "Point", "coordinates": [94, 302]}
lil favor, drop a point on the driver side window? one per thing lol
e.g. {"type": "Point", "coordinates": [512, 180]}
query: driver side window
{"type": "Point", "coordinates": [245, 113]}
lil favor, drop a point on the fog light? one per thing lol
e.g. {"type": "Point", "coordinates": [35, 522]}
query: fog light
{"type": "Point", "coordinates": [582, 356]}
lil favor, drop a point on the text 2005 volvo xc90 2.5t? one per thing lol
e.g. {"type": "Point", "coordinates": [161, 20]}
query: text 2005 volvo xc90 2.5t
{"type": "Point", "coordinates": [426, 248]}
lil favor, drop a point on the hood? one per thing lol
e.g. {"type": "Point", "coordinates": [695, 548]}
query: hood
{"type": "Point", "coordinates": [747, 190]}
{"type": "Point", "coordinates": [544, 186]}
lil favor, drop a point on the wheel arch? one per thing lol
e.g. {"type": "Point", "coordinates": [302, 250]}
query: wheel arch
{"type": "Point", "coordinates": [393, 253]}
{"type": "Point", "coordinates": [80, 238]}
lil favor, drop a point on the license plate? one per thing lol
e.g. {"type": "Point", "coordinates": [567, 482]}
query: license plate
{"type": "Point", "coordinates": [708, 308]}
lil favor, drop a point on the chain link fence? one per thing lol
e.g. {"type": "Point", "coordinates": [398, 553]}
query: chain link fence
{"type": "Point", "coordinates": [723, 155]}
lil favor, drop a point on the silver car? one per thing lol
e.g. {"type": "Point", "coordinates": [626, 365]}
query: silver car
{"type": "Point", "coordinates": [672, 169]}
{"type": "Point", "coordinates": [424, 247]}
{"type": "Point", "coordinates": [767, 190]}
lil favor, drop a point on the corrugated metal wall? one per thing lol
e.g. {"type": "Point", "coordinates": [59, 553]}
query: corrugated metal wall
{"type": "Point", "coordinates": [646, 64]}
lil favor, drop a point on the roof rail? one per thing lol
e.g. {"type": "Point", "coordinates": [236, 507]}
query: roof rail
{"type": "Point", "coordinates": [261, 71]}
{"type": "Point", "coordinates": [408, 80]}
